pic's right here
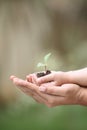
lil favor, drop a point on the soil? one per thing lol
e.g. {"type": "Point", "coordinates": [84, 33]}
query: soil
{"type": "Point", "coordinates": [40, 74]}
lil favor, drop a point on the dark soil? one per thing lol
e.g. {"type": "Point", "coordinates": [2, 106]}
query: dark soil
{"type": "Point", "coordinates": [40, 74]}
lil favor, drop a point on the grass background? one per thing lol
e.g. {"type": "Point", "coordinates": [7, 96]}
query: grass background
{"type": "Point", "coordinates": [39, 117]}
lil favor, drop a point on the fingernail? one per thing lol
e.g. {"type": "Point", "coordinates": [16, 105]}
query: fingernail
{"type": "Point", "coordinates": [42, 89]}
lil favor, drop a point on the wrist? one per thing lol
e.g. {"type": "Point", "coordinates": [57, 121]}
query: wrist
{"type": "Point", "coordinates": [70, 78]}
{"type": "Point", "coordinates": [77, 77]}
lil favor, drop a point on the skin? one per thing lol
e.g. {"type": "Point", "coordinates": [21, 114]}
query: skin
{"type": "Point", "coordinates": [50, 93]}
{"type": "Point", "coordinates": [58, 78]}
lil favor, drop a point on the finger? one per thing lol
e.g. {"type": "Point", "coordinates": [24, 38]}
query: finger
{"type": "Point", "coordinates": [29, 78]}
{"type": "Point", "coordinates": [29, 89]}
{"type": "Point", "coordinates": [12, 77]}
{"type": "Point", "coordinates": [39, 99]}
{"type": "Point", "coordinates": [34, 88]}
{"type": "Point", "coordinates": [53, 100]}
{"type": "Point", "coordinates": [45, 79]}
{"type": "Point", "coordinates": [49, 84]}
{"type": "Point", "coordinates": [32, 94]}
{"type": "Point", "coordinates": [32, 78]}
{"type": "Point", "coordinates": [22, 84]}
{"type": "Point", "coordinates": [26, 91]}
{"type": "Point", "coordinates": [19, 82]}
{"type": "Point", "coordinates": [53, 90]}
{"type": "Point", "coordinates": [64, 90]}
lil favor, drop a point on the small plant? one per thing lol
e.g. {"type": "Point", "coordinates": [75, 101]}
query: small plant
{"type": "Point", "coordinates": [44, 64]}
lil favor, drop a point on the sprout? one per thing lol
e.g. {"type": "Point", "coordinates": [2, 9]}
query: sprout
{"type": "Point", "coordinates": [44, 64]}
{"type": "Point", "coordinates": [46, 57]}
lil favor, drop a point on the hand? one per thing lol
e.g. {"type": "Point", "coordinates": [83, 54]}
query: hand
{"type": "Point", "coordinates": [56, 78]}
{"type": "Point", "coordinates": [66, 94]}
{"type": "Point", "coordinates": [51, 95]}
{"type": "Point", "coordinates": [28, 88]}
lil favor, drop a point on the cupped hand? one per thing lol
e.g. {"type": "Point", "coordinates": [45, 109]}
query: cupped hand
{"type": "Point", "coordinates": [55, 77]}
{"type": "Point", "coordinates": [28, 88]}
{"type": "Point", "coordinates": [49, 94]}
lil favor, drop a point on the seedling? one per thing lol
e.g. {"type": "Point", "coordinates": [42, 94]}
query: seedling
{"type": "Point", "coordinates": [44, 64]}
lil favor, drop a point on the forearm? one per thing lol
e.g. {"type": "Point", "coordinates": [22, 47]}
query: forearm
{"type": "Point", "coordinates": [78, 77]}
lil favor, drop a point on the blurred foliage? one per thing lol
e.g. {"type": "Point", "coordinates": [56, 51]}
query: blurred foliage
{"type": "Point", "coordinates": [29, 30]}
{"type": "Point", "coordinates": [40, 118]}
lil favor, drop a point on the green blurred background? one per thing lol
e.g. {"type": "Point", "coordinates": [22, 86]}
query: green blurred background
{"type": "Point", "coordinates": [29, 29]}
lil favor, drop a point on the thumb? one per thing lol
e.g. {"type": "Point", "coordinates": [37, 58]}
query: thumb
{"type": "Point", "coordinates": [45, 79]}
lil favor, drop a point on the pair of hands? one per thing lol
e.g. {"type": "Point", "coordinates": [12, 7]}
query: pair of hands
{"type": "Point", "coordinates": [52, 90]}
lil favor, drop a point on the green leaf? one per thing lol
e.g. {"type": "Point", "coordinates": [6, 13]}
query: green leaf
{"type": "Point", "coordinates": [40, 64]}
{"type": "Point", "coordinates": [46, 57]}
